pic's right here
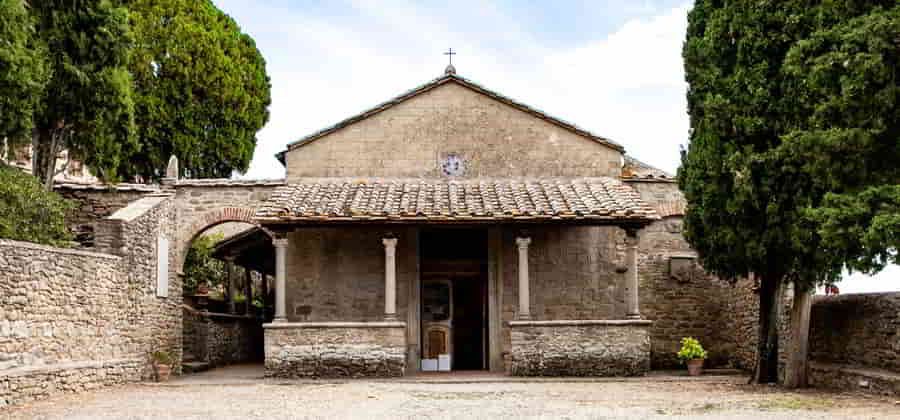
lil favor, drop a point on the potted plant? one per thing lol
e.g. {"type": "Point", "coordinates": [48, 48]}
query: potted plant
{"type": "Point", "coordinates": [693, 355]}
{"type": "Point", "coordinates": [162, 365]}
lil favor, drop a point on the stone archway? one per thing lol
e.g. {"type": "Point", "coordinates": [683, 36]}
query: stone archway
{"type": "Point", "coordinates": [208, 220]}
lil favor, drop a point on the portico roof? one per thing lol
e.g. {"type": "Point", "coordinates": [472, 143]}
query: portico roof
{"type": "Point", "coordinates": [600, 200]}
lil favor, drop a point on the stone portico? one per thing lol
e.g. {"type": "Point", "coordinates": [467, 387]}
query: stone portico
{"type": "Point", "coordinates": [454, 228]}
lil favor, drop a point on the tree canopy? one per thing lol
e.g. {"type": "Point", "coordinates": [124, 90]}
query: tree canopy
{"type": "Point", "coordinates": [23, 71]}
{"type": "Point", "coordinates": [793, 109]}
{"type": "Point", "coordinates": [30, 213]}
{"type": "Point", "coordinates": [201, 89]}
{"type": "Point", "coordinates": [86, 106]}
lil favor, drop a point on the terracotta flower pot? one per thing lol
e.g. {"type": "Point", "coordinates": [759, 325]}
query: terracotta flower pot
{"type": "Point", "coordinates": [163, 372]}
{"type": "Point", "coordinates": [695, 367]}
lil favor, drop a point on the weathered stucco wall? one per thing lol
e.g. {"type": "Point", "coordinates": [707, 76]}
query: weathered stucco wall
{"type": "Point", "coordinates": [337, 274]}
{"type": "Point", "coordinates": [580, 348]}
{"type": "Point", "coordinates": [494, 139]}
{"type": "Point", "coordinates": [73, 320]}
{"type": "Point", "coordinates": [322, 350]}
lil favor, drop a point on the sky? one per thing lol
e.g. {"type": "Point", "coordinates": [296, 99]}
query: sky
{"type": "Point", "coordinates": [612, 67]}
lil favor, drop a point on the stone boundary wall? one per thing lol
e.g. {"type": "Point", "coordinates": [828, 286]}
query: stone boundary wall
{"type": "Point", "coordinates": [854, 342]}
{"type": "Point", "coordinates": [18, 386]}
{"type": "Point", "coordinates": [856, 329]}
{"type": "Point", "coordinates": [73, 320]}
{"type": "Point", "coordinates": [94, 202]}
{"type": "Point", "coordinates": [335, 349]}
{"type": "Point", "coordinates": [221, 339]}
{"type": "Point", "coordinates": [580, 348]}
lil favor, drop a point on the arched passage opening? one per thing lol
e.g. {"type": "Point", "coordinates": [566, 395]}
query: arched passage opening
{"type": "Point", "coordinates": [226, 264]}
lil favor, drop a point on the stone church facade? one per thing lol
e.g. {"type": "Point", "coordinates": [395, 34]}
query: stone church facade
{"type": "Point", "coordinates": [453, 227]}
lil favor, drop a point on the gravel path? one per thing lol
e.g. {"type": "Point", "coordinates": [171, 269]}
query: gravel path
{"type": "Point", "coordinates": [646, 399]}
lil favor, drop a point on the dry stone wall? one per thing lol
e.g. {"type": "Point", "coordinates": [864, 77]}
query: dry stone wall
{"type": "Point", "coordinates": [580, 348]}
{"type": "Point", "coordinates": [862, 330]}
{"type": "Point", "coordinates": [222, 339]}
{"type": "Point", "coordinates": [91, 203]}
{"type": "Point", "coordinates": [73, 320]}
{"type": "Point", "coordinates": [329, 350]}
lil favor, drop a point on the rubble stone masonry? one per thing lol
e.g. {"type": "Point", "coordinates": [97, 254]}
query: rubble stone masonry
{"type": "Point", "coordinates": [580, 348]}
{"type": "Point", "coordinates": [72, 320]}
{"type": "Point", "coordinates": [335, 349]}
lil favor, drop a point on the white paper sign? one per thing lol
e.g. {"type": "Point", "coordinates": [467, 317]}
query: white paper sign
{"type": "Point", "coordinates": [162, 266]}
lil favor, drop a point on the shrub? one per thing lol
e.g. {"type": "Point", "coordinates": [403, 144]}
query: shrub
{"type": "Point", "coordinates": [161, 357]}
{"type": "Point", "coordinates": [30, 213]}
{"type": "Point", "coordinates": [691, 349]}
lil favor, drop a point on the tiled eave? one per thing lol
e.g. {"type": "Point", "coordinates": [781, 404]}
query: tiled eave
{"type": "Point", "coordinates": [596, 201]}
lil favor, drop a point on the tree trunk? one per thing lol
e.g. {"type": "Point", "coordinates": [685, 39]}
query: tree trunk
{"type": "Point", "coordinates": [767, 345]}
{"type": "Point", "coordinates": [46, 145]}
{"type": "Point", "coordinates": [795, 375]}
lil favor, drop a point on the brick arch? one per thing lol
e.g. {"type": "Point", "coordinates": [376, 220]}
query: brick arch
{"type": "Point", "coordinates": [207, 220]}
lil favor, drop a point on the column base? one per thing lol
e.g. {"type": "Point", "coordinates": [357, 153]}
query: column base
{"type": "Point", "coordinates": [523, 317]}
{"type": "Point", "coordinates": [390, 317]}
{"type": "Point", "coordinates": [634, 316]}
{"type": "Point", "coordinates": [279, 320]}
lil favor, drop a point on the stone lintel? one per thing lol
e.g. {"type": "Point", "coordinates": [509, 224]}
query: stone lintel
{"type": "Point", "coordinates": [336, 324]}
{"type": "Point", "coordinates": [581, 323]}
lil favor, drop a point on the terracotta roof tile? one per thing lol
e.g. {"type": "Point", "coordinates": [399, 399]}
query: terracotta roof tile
{"type": "Point", "coordinates": [424, 200]}
{"type": "Point", "coordinates": [637, 170]}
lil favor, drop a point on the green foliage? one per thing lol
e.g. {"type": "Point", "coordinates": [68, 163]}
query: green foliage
{"type": "Point", "coordinates": [23, 71]}
{"type": "Point", "coordinates": [848, 140]}
{"type": "Point", "coordinates": [794, 143]}
{"type": "Point", "coordinates": [239, 297]}
{"type": "Point", "coordinates": [691, 349]}
{"type": "Point", "coordinates": [201, 89]}
{"type": "Point", "coordinates": [162, 358]}
{"type": "Point", "coordinates": [200, 266]}
{"type": "Point", "coordinates": [789, 101]}
{"type": "Point", "coordinates": [28, 212]}
{"type": "Point", "coordinates": [87, 104]}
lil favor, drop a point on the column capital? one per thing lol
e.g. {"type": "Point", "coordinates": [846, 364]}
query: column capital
{"type": "Point", "coordinates": [389, 242]}
{"type": "Point", "coordinates": [280, 242]}
{"type": "Point", "coordinates": [523, 242]}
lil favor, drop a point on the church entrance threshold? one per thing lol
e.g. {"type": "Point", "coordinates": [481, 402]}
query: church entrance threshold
{"type": "Point", "coordinates": [454, 326]}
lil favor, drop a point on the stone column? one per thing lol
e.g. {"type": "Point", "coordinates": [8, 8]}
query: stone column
{"type": "Point", "coordinates": [524, 296]}
{"type": "Point", "coordinates": [631, 275]}
{"type": "Point", "coordinates": [390, 278]}
{"type": "Point", "coordinates": [248, 290]}
{"type": "Point", "coordinates": [281, 245]}
{"type": "Point", "coordinates": [229, 283]}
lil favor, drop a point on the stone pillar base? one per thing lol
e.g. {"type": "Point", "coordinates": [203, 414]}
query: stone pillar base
{"type": "Point", "coordinates": [335, 349]}
{"type": "Point", "coordinates": [580, 348]}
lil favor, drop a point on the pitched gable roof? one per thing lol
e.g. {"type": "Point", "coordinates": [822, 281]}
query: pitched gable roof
{"type": "Point", "coordinates": [451, 77]}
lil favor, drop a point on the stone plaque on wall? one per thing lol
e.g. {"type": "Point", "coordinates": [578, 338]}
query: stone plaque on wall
{"type": "Point", "coordinates": [162, 266]}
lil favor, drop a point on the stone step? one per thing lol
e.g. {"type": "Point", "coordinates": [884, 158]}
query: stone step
{"type": "Point", "coordinates": [194, 367]}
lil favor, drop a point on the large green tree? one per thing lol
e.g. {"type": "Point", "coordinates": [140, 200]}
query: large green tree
{"type": "Point", "coordinates": [201, 89]}
{"type": "Point", "coordinates": [86, 107]}
{"type": "Point", "coordinates": [23, 72]}
{"type": "Point", "coordinates": [769, 141]}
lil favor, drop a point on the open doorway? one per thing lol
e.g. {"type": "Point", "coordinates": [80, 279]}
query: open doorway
{"type": "Point", "coordinates": [454, 310]}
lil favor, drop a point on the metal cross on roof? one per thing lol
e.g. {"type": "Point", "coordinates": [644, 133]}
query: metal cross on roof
{"type": "Point", "coordinates": [450, 54]}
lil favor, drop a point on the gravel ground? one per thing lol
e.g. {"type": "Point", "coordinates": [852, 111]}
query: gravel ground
{"type": "Point", "coordinates": [643, 399]}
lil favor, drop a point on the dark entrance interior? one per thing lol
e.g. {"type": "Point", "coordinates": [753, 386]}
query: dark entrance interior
{"type": "Point", "coordinates": [454, 296]}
